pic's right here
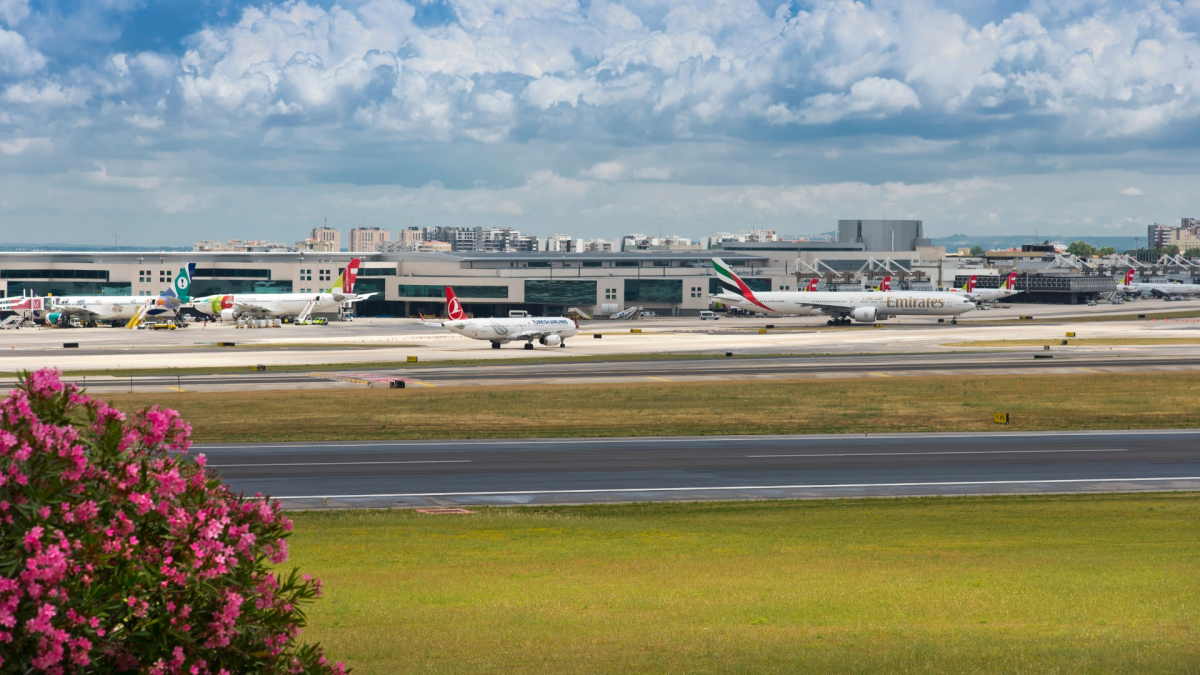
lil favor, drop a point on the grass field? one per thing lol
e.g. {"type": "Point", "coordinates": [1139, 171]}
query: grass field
{"type": "Point", "coordinates": [1080, 584]}
{"type": "Point", "coordinates": [1095, 342]}
{"type": "Point", "coordinates": [966, 403]}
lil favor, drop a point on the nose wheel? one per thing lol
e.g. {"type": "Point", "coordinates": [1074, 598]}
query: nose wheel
{"type": "Point", "coordinates": [529, 346]}
{"type": "Point", "coordinates": [954, 321]}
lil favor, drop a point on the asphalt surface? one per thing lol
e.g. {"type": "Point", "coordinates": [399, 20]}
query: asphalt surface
{"type": "Point", "coordinates": [597, 470]}
{"type": "Point", "coordinates": [493, 374]}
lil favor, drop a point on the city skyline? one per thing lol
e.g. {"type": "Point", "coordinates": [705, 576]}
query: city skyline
{"type": "Point", "coordinates": [225, 119]}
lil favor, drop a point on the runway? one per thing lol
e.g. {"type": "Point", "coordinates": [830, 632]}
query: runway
{"type": "Point", "coordinates": [672, 370]}
{"type": "Point", "coordinates": [599, 470]}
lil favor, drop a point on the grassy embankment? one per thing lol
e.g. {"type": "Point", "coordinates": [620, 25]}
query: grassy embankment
{"type": "Point", "coordinates": [1083, 584]}
{"type": "Point", "coordinates": [855, 405]}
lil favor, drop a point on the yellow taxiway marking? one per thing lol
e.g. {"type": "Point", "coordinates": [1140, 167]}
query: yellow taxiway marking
{"type": "Point", "coordinates": [182, 391]}
{"type": "Point", "coordinates": [1093, 370]}
{"type": "Point", "coordinates": [423, 384]}
{"type": "Point", "coordinates": [879, 374]}
{"type": "Point", "coordinates": [660, 379]}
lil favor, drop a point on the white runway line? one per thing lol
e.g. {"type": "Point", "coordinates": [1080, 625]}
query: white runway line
{"type": "Point", "coordinates": [949, 452]}
{"type": "Point", "coordinates": [1062, 481]}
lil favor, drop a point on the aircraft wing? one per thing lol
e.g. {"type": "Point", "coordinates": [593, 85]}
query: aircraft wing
{"type": "Point", "coordinates": [86, 314]}
{"type": "Point", "coordinates": [827, 307]}
{"type": "Point", "coordinates": [248, 307]}
{"type": "Point", "coordinates": [538, 333]}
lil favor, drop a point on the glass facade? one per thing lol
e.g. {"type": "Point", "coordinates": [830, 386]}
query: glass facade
{"type": "Point", "coordinates": [362, 285]}
{"type": "Point", "coordinates": [205, 272]}
{"type": "Point", "coordinates": [99, 275]}
{"type": "Point", "coordinates": [653, 290]}
{"type": "Point", "coordinates": [70, 288]}
{"type": "Point", "coordinates": [553, 292]}
{"type": "Point", "coordinates": [222, 286]}
{"type": "Point", "coordinates": [377, 272]}
{"type": "Point", "coordinates": [758, 285]}
{"type": "Point", "coordinates": [429, 291]}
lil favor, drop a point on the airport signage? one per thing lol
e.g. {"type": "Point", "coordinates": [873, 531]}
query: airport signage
{"type": "Point", "coordinates": [1000, 418]}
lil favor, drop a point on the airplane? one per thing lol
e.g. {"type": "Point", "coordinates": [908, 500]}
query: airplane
{"type": "Point", "coordinates": [1007, 289]}
{"type": "Point", "coordinates": [551, 331]}
{"type": "Point", "coordinates": [812, 286]}
{"type": "Point", "coordinates": [865, 307]}
{"type": "Point", "coordinates": [117, 310]}
{"type": "Point", "coordinates": [885, 285]}
{"type": "Point", "coordinates": [299, 305]}
{"type": "Point", "coordinates": [1158, 290]}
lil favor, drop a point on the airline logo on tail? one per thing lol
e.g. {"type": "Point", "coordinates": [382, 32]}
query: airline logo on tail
{"type": "Point", "coordinates": [732, 284]}
{"type": "Point", "coordinates": [812, 286]}
{"type": "Point", "coordinates": [886, 284]}
{"type": "Point", "coordinates": [454, 308]}
{"type": "Point", "coordinates": [345, 280]}
{"type": "Point", "coordinates": [1010, 284]}
{"type": "Point", "coordinates": [182, 288]}
{"type": "Point", "coordinates": [1128, 278]}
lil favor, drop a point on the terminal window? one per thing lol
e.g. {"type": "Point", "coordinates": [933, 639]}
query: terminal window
{"type": "Point", "coordinates": [555, 292]}
{"type": "Point", "coordinates": [305, 275]}
{"type": "Point", "coordinates": [610, 294]}
{"type": "Point", "coordinates": [145, 276]}
{"type": "Point", "coordinates": [696, 291]}
{"type": "Point", "coordinates": [325, 275]}
{"type": "Point", "coordinates": [654, 290]}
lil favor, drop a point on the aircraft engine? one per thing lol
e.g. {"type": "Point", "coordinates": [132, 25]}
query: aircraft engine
{"type": "Point", "coordinates": [228, 315]}
{"type": "Point", "coordinates": [52, 318]}
{"type": "Point", "coordinates": [551, 340]}
{"type": "Point", "coordinates": [864, 314]}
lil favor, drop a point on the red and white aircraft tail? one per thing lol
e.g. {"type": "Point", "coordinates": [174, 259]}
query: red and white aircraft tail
{"type": "Point", "coordinates": [812, 285]}
{"type": "Point", "coordinates": [971, 283]}
{"type": "Point", "coordinates": [886, 284]}
{"type": "Point", "coordinates": [1010, 284]}
{"type": "Point", "coordinates": [454, 310]}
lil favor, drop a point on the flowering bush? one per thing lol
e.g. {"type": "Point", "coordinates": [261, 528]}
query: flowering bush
{"type": "Point", "coordinates": [119, 554]}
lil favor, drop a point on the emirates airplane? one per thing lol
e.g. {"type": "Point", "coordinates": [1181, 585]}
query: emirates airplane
{"type": "Point", "coordinates": [551, 331]}
{"type": "Point", "coordinates": [865, 307]}
{"type": "Point", "coordinates": [299, 305]}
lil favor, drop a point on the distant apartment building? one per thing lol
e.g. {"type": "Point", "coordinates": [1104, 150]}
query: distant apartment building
{"type": "Point", "coordinates": [563, 243]}
{"type": "Point", "coordinates": [597, 246]}
{"type": "Point", "coordinates": [883, 235]}
{"type": "Point", "coordinates": [368, 239]}
{"type": "Point", "coordinates": [330, 238]}
{"type": "Point", "coordinates": [641, 242]}
{"type": "Point", "coordinates": [1186, 236]}
{"type": "Point", "coordinates": [1157, 235]}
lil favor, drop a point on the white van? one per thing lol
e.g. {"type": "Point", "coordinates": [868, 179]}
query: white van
{"type": "Point", "coordinates": [517, 314]}
{"type": "Point", "coordinates": [708, 314]}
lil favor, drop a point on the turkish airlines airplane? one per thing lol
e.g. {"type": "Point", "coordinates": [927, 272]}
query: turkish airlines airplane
{"type": "Point", "coordinates": [551, 331]}
{"type": "Point", "coordinates": [865, 307]}
{"type": "Point", "coordinates": [1007, 289]}
{"type": "Point", "coordinates": [1157, 290]}
{"type": "Point", "coordinates": [300, 305]}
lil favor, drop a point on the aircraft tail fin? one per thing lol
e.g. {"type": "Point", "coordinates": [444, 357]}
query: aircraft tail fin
{"type": "Point", "coordinates": [181, 288]}
{"type": "Point", "coordinates": [1128, 278]}
{"type": "Point", "coordinates": [345, 280]}
{"type": "Point", "coordinates": [732, 284]}
{"type": "Point", "coordinates": [1011, 283]}
{"type": "Point", "coordinates": [886, 284]}
{"type": "Point", "coordinates": [454, 310]}
{"type": "Point", "coordinates": [971, 283]}
{"type": "Point", "coordinates": [812, 285]}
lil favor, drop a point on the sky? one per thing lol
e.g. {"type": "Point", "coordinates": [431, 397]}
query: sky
{"type": "Point", "coordinates": [169, 122]}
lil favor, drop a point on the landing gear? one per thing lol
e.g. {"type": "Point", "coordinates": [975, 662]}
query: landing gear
{"type": "Point", "coordinates": [562, 344]}
{"type": "Point", "coordinates": [529, 345]}
{"type": "Point", "coordinates": [840, 321]}
{"type": "Point", "coordinates": [954, 321]}
{"type": "Point", "coordinates": [495, 344]}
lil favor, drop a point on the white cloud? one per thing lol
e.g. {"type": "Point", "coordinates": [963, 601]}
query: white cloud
{"type": "Point", "coordinates": [607, 171]}
{"type": "Point", "coordinates": [51, 94]}
{"type": "Point", "coordinates": [874, 97]}
{"type": "Point", "coordinates": [13, 12]}
{"type": "Point", "coordinates": [145, 122]}
{"type": "Point", "coordinates": [1132, 192]}
{"type": "Point", "coordinates": [18, 146]}
{"type": "Point", "coordinates": [16, 56]}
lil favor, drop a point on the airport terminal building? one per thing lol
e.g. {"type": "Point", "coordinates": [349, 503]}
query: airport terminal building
{"type": "Point", "coordinates": [669, 283]}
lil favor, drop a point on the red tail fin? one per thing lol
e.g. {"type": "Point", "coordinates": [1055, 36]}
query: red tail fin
{"type": "Point", "coordinates": [886, 284]}
{"type": "Point", "coordinates": [349, 276]}
{"type": "Point", "coordinates": [1129, 277]}
{"type": "Point", "coordinates": [971, 283]}
{"type": "Point", "coordinates": [453, 306]}
{"type": "Point", "coordinates": [1011, 284]}
{"type": "Point", "coordinates": [812, 285]}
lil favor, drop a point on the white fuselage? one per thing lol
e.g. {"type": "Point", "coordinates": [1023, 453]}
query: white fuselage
{"type": "Point", "coordinates": [514, 329]}
{"type": "Point", "coordinates": [271, 304]}
{"type": "Point", "coordinates": [105, 308]}
{"type": "Point", "coordinates": [1163, 289]}
{"type": "Point", "coordinates": [832, 303]}
{"type": "Point", "coordinates": [985, 294]}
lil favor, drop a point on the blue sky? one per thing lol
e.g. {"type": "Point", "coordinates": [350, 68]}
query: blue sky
{"type": "Point", "coordinates": [174, 121]}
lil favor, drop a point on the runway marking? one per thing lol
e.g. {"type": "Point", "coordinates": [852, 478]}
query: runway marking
{"type": "Point", "coordinates": [1061, 481]}
{"type": "Point", "coordinates": [948, 452]}
{"type": "Point", "coordinates": [661, 379]}
{"type": "Point", "coordinates": [423, 384]}
{"type": "Point", "coordinates": [414, 461]}
{"type": "Point", "coordinates": [705, 439]}
{"type": "Point", "coordinates": [1093, 370]}
{"type": "Point", "coordinates": [880, 374]}
{"type": "Point", "coordinates": [178, 390]}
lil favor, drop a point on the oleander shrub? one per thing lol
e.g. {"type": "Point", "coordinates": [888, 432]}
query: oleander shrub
{"type": "Point", "coordinates": [120, 554]}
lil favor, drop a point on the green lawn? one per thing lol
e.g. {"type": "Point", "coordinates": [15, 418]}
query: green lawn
{"type": "Point", "coordinates": [1082, 584]}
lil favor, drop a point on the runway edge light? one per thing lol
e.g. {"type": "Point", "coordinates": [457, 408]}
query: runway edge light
{"type": "Point", "coordinates": [1000, 418]}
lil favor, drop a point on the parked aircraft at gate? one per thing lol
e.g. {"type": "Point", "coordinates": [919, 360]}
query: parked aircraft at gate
{"type": "Point", "coordinates": [866, 307]}
{"type": "Point", "coordinates": [300, 305]}
{"type": "Point", "coordinates": [551, 331]}
{"type": "Point", "coordinates": [1156, 289]}
{"type": "Point", "coordinates": [118, 310]}
{"type": "Point", "coordinates": [1007, 289]}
